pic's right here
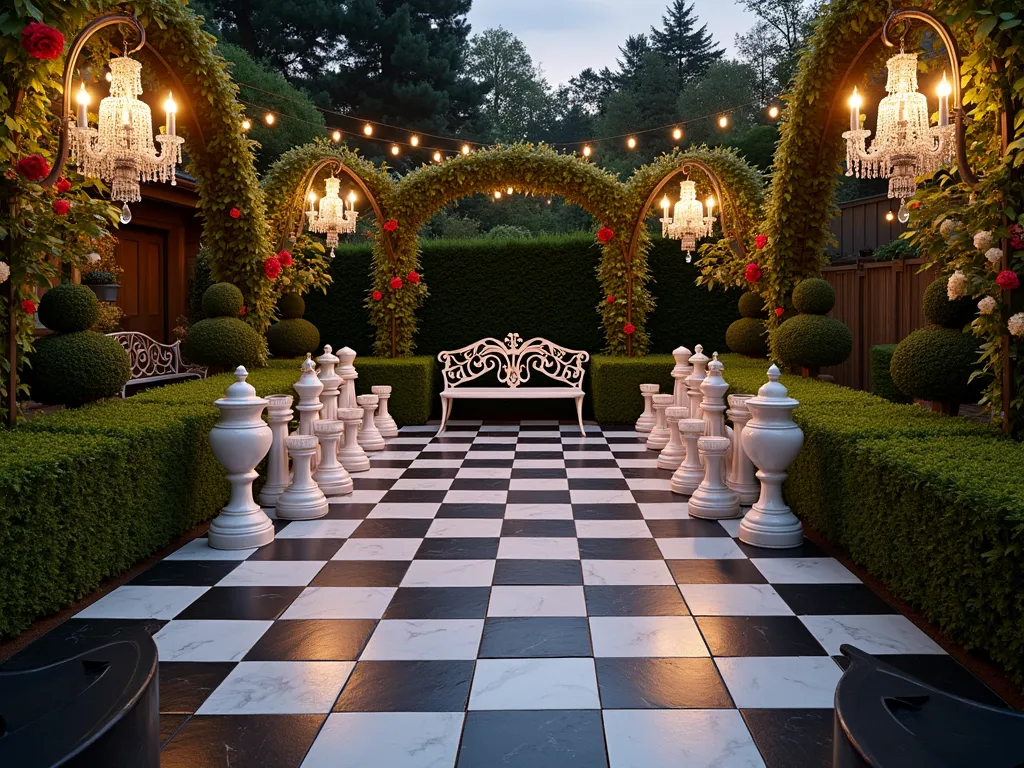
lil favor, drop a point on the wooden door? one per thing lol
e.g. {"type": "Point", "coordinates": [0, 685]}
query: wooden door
{"type": "Point", "coordinates": [142, 254]}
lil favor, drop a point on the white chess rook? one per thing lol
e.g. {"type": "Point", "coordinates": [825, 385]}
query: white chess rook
{"type": "Point", "coordinates": [712, 405]}
{"type": "Point", "coordinates": [279, 415]}
{"type": "Point", "coordinates": [713, 499]}
{"type": "Point", "coordinates": [672, 455]}
{"type": "Point", "coordinates": [351, 455]}
{"type": "Point", "coordinates": [369, 437]}
{"type": "Point", "coordinates": [680, 371]}
{"type": "Point", "coordinates": [331, 381]}
{"type": "Point", "coordinates": [385, 424]}
{"type": "Point", "coordinates": [646, 421]}
{"type": "Point", "coordinates": [330, 475]}
{"type": "Point", "coordinates": [741, 471]}
{"type": "Point", "coordinates": [303, 499]}
{"type": "Point", "coordinates": [691, 472]}
{"type": "Point", "coordinates": [698, 360]}
{"type": "Point", "coordinates": [658, 438]}
{"type": "Point", "coordinates": [347, 371]}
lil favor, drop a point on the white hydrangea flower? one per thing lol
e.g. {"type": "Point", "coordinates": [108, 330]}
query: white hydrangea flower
{"type": "Point", "coordinates": [946, 227]}
{"type": "Point", "coordinates": [983, 240]}
{"type": "Point", "coordinates": [987, 305]}
{"type": "Point", "coordinates": [1016, 324]}
{"type": "Point", "coordinates": [956, 286]}
{"type": "Point", "coordinates": [93, 257]}
{"type": "Point", "coordinates": [994, 255]}
{"type": "Point", "coordinates": [5, 271]}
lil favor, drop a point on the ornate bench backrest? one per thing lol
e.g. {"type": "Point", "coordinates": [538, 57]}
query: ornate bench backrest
{"type": "Point", "coordinates": [149, 357]}
{"type": "Point", "coordinates": [513, 360]}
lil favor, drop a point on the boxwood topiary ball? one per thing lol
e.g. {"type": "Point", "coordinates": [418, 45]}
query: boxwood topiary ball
{"type": "Point", "coordinates": [291, 306]}
{"type": "Point", "coordinates": [812, 341]}
{"type": "Point", "coordinates": [939, 310]}
{"type": "Point", "coordinates": [814, 296]}
{"type": "Point", "coordinates": [67, 308]}
{"type": "Point", "coordinates": [748, 336]}
{"type": "Point", "coordinates": [935, 364]}
{"type": "Point", "coordinates": [752, 305]}
{"type": "Point", "coordinates": [293, 338]}
{"type": "Point", "coordinates": [224, 341]}
{"type": "Point", "coordinates": [76, 368]}
{"type": "Point", "coordinates": [222, 300]}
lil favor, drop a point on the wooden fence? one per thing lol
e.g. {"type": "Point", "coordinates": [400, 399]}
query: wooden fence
{"type": "Point", "coordinates": [880, 302]}
{"type": "Point", "coordinates": [862, 225]}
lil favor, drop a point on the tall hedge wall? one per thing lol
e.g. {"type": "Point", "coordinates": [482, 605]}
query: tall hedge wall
{"type": "Point", "coordinates": [540, 287]}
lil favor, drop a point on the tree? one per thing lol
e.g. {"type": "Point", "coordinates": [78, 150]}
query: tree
{"type": "Point", "coordinates": [633, 52]}
{"type": "Point", "coordinates": [689, 52]}
{"type": "Point", "coordinates": [516, 92]}
{"type": "Point", "coordinates": [760, 49]}
{"type": "Point", "coordinates": [780, 33]}
{"type": "Point", "coordinates": [726, 84]}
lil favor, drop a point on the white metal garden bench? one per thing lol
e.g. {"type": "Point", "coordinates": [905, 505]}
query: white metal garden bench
{"type": "Point", "coordinates": [153, 362]}
{"type": "Point", "coordinates": [513, 359]}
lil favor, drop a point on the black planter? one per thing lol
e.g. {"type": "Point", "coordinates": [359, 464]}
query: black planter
{"type": "Point", "coordinates": [106, 291]}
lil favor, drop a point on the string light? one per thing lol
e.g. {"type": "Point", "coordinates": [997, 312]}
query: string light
{"type": "Point", "coordinates": [395, 150]}
{"type": "Point", "coordinates": [631, 142]}
{"type": "Point", "coordinates": [368, 130]}
{"type": "Point", "coordinates": [723, 122]}
{"type": "Point", "coordinates": [773, 112]}
{"type": "Point", "coordinates": [497, 194]}
{"type": "Point", "coordinates": [437, 157]}
{"type": "Point", "coordinates": [677, 134]}
{"type": "Point", "coordinates": [587, 151]}
{"type": "Point", "coordinates": [108, 76]}
{"type": "Point", "coordinates": [246, 125]}
{"type": "Point", "coordinates": [549, 201]}
{"type": "Point", "coordinates": [269, 118]}
{"type": "Point", "coordinates": [414, 140]}
{"type": "Point", "coordinates": [889, 216]}
{"type": "Point", "coordinates": [509, 191]}
{"type": "Point", "coordinates": [336, 136]}
{"type": "Point", "coordinates": [465, 149]}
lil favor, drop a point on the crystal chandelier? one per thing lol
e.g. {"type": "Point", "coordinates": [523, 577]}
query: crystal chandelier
{"type": "Point", "coordinates": [906, 145]}
{"type": "Point", "coordinates": [688, 223]}
{"type": "Point", "coordinates": [334, 217]}
{"type": "Point", "coordinates": [121, 151]}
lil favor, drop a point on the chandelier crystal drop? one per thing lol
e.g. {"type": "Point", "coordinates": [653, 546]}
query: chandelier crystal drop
{"type": "Point", "coordinates": [688, 224]}
{"type": "Point", "coordinates": [333, 217]}
{"type": "Point", "coordinates": [121, 151]}
{"type": "Point", "coordinates": [906, 145]}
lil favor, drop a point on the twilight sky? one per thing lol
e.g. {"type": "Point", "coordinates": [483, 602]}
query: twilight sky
{"type": "Point", "coordinates": [565, 36]}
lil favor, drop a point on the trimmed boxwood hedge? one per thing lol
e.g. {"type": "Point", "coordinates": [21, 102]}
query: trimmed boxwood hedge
{"type": "Point", "coordinates": [615, 385]}
{"type": "Point", "coordinates": [881, 378]}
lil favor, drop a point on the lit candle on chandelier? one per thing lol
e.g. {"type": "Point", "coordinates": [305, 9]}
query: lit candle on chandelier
{"type": "Point", "coordinates": [312, 201]}
{"type": "Point", "coordinates": [665, 205]}
{"type": "Point", "coordinates": [943, 91]}
{"type": "Point", "coordinates": [83, 107]}
{"type": "Point", "coordinates": [351, 201]}
{"type": "Point", "coordinates": [172, 114]}
{"type": "Point", "coordinates": [855, 102]}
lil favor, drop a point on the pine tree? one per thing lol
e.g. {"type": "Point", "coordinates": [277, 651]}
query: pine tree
{"type": "Point", "coordinates": [688, 51]}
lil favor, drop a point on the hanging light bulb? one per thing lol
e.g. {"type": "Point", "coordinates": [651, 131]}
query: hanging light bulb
{"type": "Point", "coordinates": [889, 216]}
{"type": "Point", "coordinates": [631, 142]}
{"type": "Point", "coordinates": [395, 150]}
{"type": "Point", "coordinates": [677, 134]}
{"type": "Point", "coordinates": [246, 125]}
{"type": "Point", "coordinates": [688, 224]}
{"type": "Point", "coordinates": [587, 151]}
{"type": "Point", "coordinates": [437, 157]}
{"type": "Point", "coordinates": [509, 191]}
{"type": "Point", "coordinates": [333, 217]}
{"type": "Point", "coordinates": [773, 111]}
{"type": "Point", "coordinates": [465, 149]}
{"type": "Point", "coordinates": [723, 121]}
{"type": "Point", "coordinates": [414, 140]}
{"type": "Point", "coordinates": [336, 136]}
{"type": "Point", "coordinates": [497, 194]}
{"type": "Point", "coordinates": [269, 118]}
{"type": "Point", "coordinates": [368, 130]}
{"type": "Point", "coordinates": [108, 76]}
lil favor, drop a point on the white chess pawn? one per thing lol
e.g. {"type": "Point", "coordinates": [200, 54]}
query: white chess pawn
{"type": "Point", "coordinates": [712, 406]}
{"type": "Point", "coordinates": [369, 438]}
{"type": "Point", "coordinates": [351, 455]}
{"type": "Point", "coordinates": [713, 499]}
{"type": "Point", "coordinates": [646, 421]}
{"type": "Point", "coordinates": [691, 472]}
{"type": "Point", "coordinates": [331, 381]}
{"type": "Point", "coordinates": [330, 475]}
{"type": "Point", "coordinates": [658, 438]}
{"type": "Point", "coordinates": [309, 388]}
{"type": "Point", "coordinates": [673, 453]}
{"type": "Point", "coordinates": [698, 360]}
{"type": "Point", "coordinates": [347, 371]}
{"type": "Point", "coordinates": [680, 371]}
{"type": "Point", "coordinates": [303, 499]}
{"type": "Point", "coordinates": [279, 414]}
{"type": "Point", "coordinates": [385, 424]}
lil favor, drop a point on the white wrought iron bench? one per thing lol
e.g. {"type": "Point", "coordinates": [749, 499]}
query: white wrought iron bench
{"type": "Point", "coordinates": [153, 362]}
{"type": "Point", "coordinates": [514, 360]}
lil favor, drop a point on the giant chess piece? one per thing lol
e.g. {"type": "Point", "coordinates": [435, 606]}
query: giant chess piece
{"type": "Point", "coordinates": [385, 424]}
{"type": "Point", "coordinates": [712, 406]}
{"type": "Point", "coordinates": [713, 499]}
{"type": "Point", "coordinates": [772, 441]}
{"type": "Point", "coordinates": [646, 421]}
{"type": "Point", "coordinates": [351, 455]}
{"type": "Point", "coordinates": [369, 437]}
{"type": "Point", "coordinates": [347, 371]}
{"type": "Point", "coordinates": [688, 477]}
{"type": "Point", "coordinates": [330, 475]}
{"type": "Point", "coordinates": [680, 371]}
{"type": "Point", "coordinates": [741, 471]}
{"type": "Point", "coordinates": [239, 441]}
{"type": "Point", "coordinates": [279, 414]}
{"type": "Point", "coordinates": [331, 381]}
{"type": "Point", "coordinates": [309, 388]}
{"type": "Point", "coordinates": [658, 438]}
{"type": "Point", "coordinates": [698, 360]}
{"type": "Point", "coordinates": [673, 453]}
{"type": "Point", "coordinates": [303, 499]}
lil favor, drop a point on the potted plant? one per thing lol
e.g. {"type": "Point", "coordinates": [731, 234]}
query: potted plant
{"type": "Point", "coordinates": [104, 284]}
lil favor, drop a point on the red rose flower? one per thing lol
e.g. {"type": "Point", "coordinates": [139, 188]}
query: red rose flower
{"type": "Point", "coordinates": [272, 267]}
{"type": "Point", "coordinates": [629, 329]}
{"type": "Point", "coordinates": [243, 311]}
{"type": "Point", "coordinates": [390, 225]}
{"type": "Point", "coordinates": [1016, 236]}
{"type": "Point", "coordinates": [1008, 280]}
{"type": "Point", "coordinates": [752, 273]}
{"type": "Point", "coordinates": [914, 206]}
{"type": "Point", "coordinates": [605, 235]}
{"type": "Point", "coordinates": [610, 299]}
{"type": "Point", "coordinates": [760, 241]}
{"type": "Point", "coordinates": [63, 186]}
{"type": "Point", "coordinates": [285, 258]}
{"type": "Point", "coordinates": [28, 306]}
{"type": "Point", "coordinates": [41, 41]}
{"type": "Point", "coordinates": [234, 213]}
{"type": "Point", "coordinates": [396, 283]}
{"type": "Point", "coordinates": [779, 311]}
{"type": "Point", "coordinates": [413, 277]}
{"type": "Point", "coordinates": [377, 295]}
{"type": "Point", "coordinates": [61, 207]}
{"type": "Point", "coordinates": [33, 168]}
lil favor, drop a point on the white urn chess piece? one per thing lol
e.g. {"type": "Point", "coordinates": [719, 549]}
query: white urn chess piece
{"type": "Point", "coordinates": [326, 364]}
{"type": "Point", "coordinates": [713, 499]}
{"type": "Point", "coordinates": [369, 437]}
{"type": "Point", "coordinates": [279, 414]}
{"type": "Point", "coordinates": [303, 499]}
{"type": "Point", "coordinates": [772, 441]}
{"type": "Point", "coordinates": [698, 361]}
{"type": "Point", "coordinates": [239, 441]}
{"type": "Point", "coordinates": [680, 371]}
{"type": "Point", "coordinates": [385, 424]}
{"type": "Point", "coordinates": [351, 454]}
{"type": "Point", "coordinates": [347, 371]}
{"type": "Point", "coordinates": [712, 406]}
{"type": "Point", "coordinates": [672, 454]}
{"type": "Point", "coordinates": [658, 438]}
{"type": "Point", "coordinates": [741, 471]}
{"type": "Point", "coordinates": [646, 421]}
{"type": "Point", "coordinates": [309, 388]}
{"type": "Point", "coordinates": [330, 475]}
{"type": "Point", "coordinates": [691, 472]}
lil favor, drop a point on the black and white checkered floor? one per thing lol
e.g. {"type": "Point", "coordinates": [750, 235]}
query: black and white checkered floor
{"type": "Point", "coordinates": [505, 595]}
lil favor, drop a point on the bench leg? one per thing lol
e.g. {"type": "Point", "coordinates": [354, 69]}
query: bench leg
{"type": "Point", "coordinates": [446, 409]}
{"type": "Point", "coordinates": [579, 415]}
